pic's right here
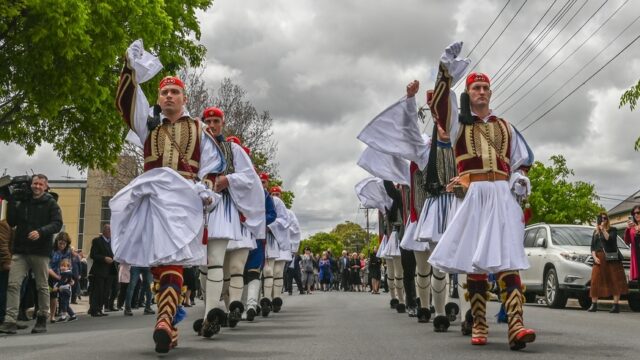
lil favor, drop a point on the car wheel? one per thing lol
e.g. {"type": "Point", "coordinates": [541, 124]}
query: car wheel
{"type": "Point", "coordinates": [530, 297]}
{"type": "Point", "coordinates": [634, 301]}
{"type": "Point", "coordinates": [585, 301]}
{"type": "Point", "coordinates": [555, 297]}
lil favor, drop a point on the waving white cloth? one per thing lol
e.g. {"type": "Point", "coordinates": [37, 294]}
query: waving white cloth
{"type": "Point", "coordinates": [158, 219]}
{"type": "Point", "coordinates": [294, 231]}
{"type": "Point", "coordinates": [385, 166]}
{"type": "Point", "coordinates": [280, 227]}
{"type": "Point", "coordinates": [247, 192]}
{"type": "Point", "coordinates": [395, 132]}
{"type": "Point", "coordinates": [372, 195]}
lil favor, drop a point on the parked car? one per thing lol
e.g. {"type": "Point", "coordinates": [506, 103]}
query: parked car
{"type": "Point", "coordinates": [560, 265]}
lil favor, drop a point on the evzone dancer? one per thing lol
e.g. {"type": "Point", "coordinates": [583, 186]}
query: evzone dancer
{"type": "Point", "coordinates": [240, 214]}
{"type": "Point", "coordinates": [437, 207]}
{"type": "Point", "coordinates": [256, 261]}
{"type": "Point", "coordinates": [279, 248]}
{"type": "Point", "coordinates": [286, 255]}
{"type": "Point", "coordinates": [485, 235]}
{"type": "Point", "coordinates": [382, 253]}
{"type": "Point", "coordinates": [157, 220]}
{"type": "Point", "coordinates": [395, 228]}
{"type": "Point", "coordinates": [271, 254]}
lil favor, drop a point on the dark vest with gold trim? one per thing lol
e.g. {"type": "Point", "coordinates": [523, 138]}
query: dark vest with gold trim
{"type": "Point", "coordinates": [224, 148]}
{"type": "Point", "coordinates": [160, 150]}
{"type": "Point", "coordinates": [484, 147]}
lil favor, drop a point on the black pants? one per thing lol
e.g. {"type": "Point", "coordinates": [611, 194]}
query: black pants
{"type": "Point", "coordinates": [409, 272]}
{"type": "Point", "coordinates": [112, 289]}
{"type": "Point", "coordinates": [97, 296]}
{"type": "Point", "coordinates": [292, 274]}
{"type": "Point", "coordinates": [345, 280]}
{"type": "Point", "coordinates": [122, 294]}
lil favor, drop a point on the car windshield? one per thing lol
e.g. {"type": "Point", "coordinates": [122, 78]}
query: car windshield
{"type": "Point", "coordinates": [576, 236]}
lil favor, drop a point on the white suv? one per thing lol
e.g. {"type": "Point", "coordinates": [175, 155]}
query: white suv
{"type": "Point", "coordinates": [560, 264]}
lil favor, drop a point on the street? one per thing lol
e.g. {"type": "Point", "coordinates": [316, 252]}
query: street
{"type": "Point", "coordinates": [335, 326]}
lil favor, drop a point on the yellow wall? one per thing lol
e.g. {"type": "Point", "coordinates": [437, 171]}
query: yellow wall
{"type": "Point", "coordinates": [69, 202]}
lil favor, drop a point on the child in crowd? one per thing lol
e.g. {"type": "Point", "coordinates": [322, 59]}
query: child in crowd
{"type": "Point", "coordinates": [63, 287]}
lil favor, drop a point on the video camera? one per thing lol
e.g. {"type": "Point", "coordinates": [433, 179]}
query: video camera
{"type": "Point", "coordinates": [17, 188]}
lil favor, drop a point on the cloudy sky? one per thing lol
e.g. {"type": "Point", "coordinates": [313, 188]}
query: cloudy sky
{"type": "Point", "coordinates": [325, 68]}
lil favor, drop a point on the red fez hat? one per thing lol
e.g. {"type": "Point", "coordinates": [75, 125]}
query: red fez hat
{"type": "Point", "coordinates": [170, 80]}
{"type": "Point", "coordinates": [246, 149]}
{"type": "Point", "coordinates": [234, 139]}
{"type": "Point", "coordinates": [276, 189]}
{"type": "Point", "coordinates": [264, 176]}
{"type": "Point", "coordinates": [213, 111]}
{"type": "Point", "coordinates": [477, 77]}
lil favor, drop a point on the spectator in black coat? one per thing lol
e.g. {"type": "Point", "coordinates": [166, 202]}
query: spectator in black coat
{"type": "Point", "coordinates": [36, 219]}
{"type": "Point", "coordinates": [102, 271]}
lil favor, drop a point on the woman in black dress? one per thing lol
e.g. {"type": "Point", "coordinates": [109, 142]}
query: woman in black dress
{"type": "Point", "coordinates": [374, 272]}
{"type": "Point", "coordinates": [354, 265]}
{"type": "Point", "coordinates": [607, 276]}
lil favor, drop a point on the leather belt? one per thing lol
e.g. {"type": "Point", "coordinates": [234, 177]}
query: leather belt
{"type": "Point", "coordinates": [488, 176]}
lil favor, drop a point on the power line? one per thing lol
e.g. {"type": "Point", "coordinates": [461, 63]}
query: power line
{"type": "Point", "coordinates": [578, 72]}
{"type": "Point", "coordinates": [621, 200]}
{"type": "Point", "coordinates": [557, 51]}
{"type": "Point", "coordinates": [567, 58]}
{"type": "Point", "coordinates": [525, 38]}
{"type": "Point", "coordinates": [533, 42]}
{"type": "Point", "coordinates": [486, 31]}
{"type": "Point", "coordinates": [494, 41]}
{"type": "Point", "coordinates": [562, 47]}
{"type": "Point", "coordinates": [582, 84]}
{"type": "Point", "coordinates": [499, 83]}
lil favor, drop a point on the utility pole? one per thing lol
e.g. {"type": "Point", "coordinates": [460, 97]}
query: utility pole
{"type": "Point", "coordinates": [366, 243]}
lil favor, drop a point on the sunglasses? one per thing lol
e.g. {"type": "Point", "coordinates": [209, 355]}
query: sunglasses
{"type": "Point", "coordinates": [636, 212]}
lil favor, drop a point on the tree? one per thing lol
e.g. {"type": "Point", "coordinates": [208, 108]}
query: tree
{"type": "Point", "coordinates": [322, 241]}
{"type": "Point", "coordinates": [59, 65]}
{"type": "Point", "coordinates": [353, 236]}
{"type": "Point", "coordinates": [630, 97]}
{"type": "Point", "coordinates": [556, 200]}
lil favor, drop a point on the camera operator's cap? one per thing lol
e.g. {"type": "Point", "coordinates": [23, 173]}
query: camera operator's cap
{"type": "Point", "coordinates": [171, 80]}
{"type": "Point", "coordinates": [477, 77]}
{"type": "Point", "coordinates": [213, 112]}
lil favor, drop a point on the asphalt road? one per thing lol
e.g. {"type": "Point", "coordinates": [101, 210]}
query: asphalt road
{"type": "Point", "coordinates": [335, 326]}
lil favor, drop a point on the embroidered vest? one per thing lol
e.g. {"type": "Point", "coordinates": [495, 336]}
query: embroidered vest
{"type": "Point", "coordinates": [160, 151]}
{"type": "Point", "coordinates": [484, 147]}
{"type": "Point", "coordinates": [225, 151]}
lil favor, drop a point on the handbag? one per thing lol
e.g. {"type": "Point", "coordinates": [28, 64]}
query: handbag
{"type": "Point", "coordinates": [611, 256]}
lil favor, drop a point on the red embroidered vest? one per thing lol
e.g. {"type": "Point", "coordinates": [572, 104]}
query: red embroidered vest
{"type": "Point", "coordinates": [159, 150]}
{"type": "Point", "coordinates": [484, 147]}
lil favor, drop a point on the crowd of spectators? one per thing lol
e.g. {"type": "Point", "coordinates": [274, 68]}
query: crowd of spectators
{"type": "Point", "coordinates": [324, 272]}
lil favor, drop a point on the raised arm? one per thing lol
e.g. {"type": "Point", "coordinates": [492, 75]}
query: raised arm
{"type": "Point", "coordinates": [443, 105]}
{"type": "Point", "coordinates": [139, 66]}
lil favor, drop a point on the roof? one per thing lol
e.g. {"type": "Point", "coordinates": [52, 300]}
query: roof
{"type": "Point", "coordinates": [626, 205]}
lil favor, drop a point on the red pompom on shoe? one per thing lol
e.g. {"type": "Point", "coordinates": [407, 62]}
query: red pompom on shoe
{"type": "Point", "coordinates": [479, 341]}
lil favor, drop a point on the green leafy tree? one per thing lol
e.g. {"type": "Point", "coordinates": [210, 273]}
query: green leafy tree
{"type": "Point", "coordinates": [353, 236]}
{"type": "Point", "coordinates": [322, 241]}
{"type": "Point", "coordinates": [554, 199]}
{"type": "Point", "coordinates": [630, 97]}
{"type": "Point", "coordinates": [60, 61]}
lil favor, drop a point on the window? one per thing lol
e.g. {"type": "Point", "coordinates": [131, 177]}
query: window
{"type": "Point", "coordinates": [105, 211]}
{"type": "Point", "coordinates": [530, 238]}
{"type": "Point", "coordinates": [542, 234]}
{"type": "Point", "coordinates": [81, 219]}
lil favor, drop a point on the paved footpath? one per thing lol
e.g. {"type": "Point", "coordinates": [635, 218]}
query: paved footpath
{"type": "Point", "coordinates": [335, 326]}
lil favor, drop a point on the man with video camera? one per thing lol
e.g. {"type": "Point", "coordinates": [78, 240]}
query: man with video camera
{"type": "Point", "coordinates": [36, 217]}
